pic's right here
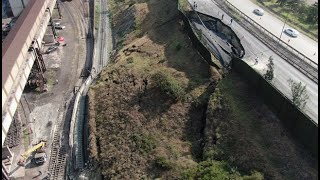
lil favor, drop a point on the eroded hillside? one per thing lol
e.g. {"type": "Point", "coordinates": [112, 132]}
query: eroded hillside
{"type": "Point", "coordinates": [149, 109]}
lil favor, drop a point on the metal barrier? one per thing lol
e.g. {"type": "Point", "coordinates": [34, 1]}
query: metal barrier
{"type": "Point", "coordinates": [206, 42]}
{"type": "Point", "coordinates": [288, 53]}
{"type": "Point", "coordinates": [205, 38]}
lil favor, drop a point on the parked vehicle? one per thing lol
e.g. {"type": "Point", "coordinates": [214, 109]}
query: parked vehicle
{"type": "Point", "coordinates": [60, 27]}
{"type": "Point", "coordinates": [40, 156]}
{"type": "Point", "coordinates": [291, 32]}
{"type": "Point", "coordinates": [51, 49]}
{"type": "Point", "coordinates": [259, 12]}
{"type": "Point", "coordinates": [55, 24]}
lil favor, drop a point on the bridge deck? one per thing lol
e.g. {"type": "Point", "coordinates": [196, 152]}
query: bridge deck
{"type": "Point", "coordinates": [16, 44]}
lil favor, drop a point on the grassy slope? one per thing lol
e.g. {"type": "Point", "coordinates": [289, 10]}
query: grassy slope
{"type": "Point", "coordinates": [248, 136]}
{"type": "Point", "coordinates": [142, 132]}
{"type": "Point", "coordinates": [146, 133]}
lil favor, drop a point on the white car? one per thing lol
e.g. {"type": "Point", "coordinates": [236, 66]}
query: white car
{"type": "Point", "coordinates": [259, 12]}
{"type": "Point", "coordinates": [291, 32]}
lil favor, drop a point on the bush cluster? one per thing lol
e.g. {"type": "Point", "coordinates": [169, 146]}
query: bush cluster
{"type": "Point", "coordinates": [169, 85]}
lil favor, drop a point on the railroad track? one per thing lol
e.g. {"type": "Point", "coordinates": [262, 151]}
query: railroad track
{"type": "Point", "coordinates": [102, 34]}
{"type": "Point", "coordinates": [59, 149]}
{"type": "Point", "coordinates": [304, 67]}
{"type": "Point", "coordinates": [57, 165]}
{"type": "Point", "coordinates": [101, 37]}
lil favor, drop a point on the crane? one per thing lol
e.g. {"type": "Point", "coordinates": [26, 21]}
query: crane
{"type": "Point", "coordinates": [39, 148]}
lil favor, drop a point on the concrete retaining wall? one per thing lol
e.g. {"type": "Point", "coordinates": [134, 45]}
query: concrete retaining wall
{"type": "Point", "coordinates": [299, 124]}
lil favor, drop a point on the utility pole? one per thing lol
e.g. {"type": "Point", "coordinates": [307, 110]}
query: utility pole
{"type": "Point", "coordinates": [284, 25]}
{"type": "Point", "coordinates": [286, 20]}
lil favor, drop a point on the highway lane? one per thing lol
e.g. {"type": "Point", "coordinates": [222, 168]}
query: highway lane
{"type": "Point", "coordinates": [254, 48]}
{"type": "Point", "coordinates": [302, 43]}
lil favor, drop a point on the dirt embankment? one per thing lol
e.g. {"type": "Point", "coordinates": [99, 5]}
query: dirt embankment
{"type": "Point", "coordinates": [147, 128]}
{"type": "Point", "coordinates": [148, 111]}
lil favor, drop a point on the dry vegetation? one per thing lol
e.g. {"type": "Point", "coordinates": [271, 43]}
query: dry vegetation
{"type": "Point", "coordinates": [144, 127]}
{"type": "Point", "coordinates": [148, 109]}
{"type": "Point", "coordinates": [242, 131]}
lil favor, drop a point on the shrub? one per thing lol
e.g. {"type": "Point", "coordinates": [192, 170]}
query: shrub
{"type": "Point", "coordinates": [208, 170]}
{"type": "Point", "coordinates": [270, 71]}
{"type": "Point", "coordinates": [299, 94]}
{"type": "Point", "coordinates": [163, 163]}
{"type": "Point", "coordinates": [178, 46]}
{"type": "Point", "coordinates": [169, 85]}
{"type": "Point", "coordinates": [130, 60]}
{"type": "Point", "coordinates": [144, 143]}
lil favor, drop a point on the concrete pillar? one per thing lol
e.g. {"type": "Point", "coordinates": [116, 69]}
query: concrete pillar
{"type": "Point", "coordinates": [5, 174]}
{"type": "Point", "coordinates": [6, 152]}
{"type": "Point", "coordinates": [52, 28]}
{"type": "Point", "coordinates": [59, 11]}
{"type": "Point", "coordinates": [51, 23]}
{"type": "Point", "coordinates": [22, 112]}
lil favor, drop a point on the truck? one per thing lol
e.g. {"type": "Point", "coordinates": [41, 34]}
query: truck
{"type": "Point", "coordinates": [40, 156]}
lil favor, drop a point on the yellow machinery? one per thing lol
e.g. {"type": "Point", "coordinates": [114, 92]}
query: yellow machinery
{"type": "Point", "coordinates": [39, 148]}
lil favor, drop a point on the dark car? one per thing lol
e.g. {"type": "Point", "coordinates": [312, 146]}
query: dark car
{"type": "Point", "coordinates": [51, 49]}
{"type": "Point", "coordinates": [60, 27]}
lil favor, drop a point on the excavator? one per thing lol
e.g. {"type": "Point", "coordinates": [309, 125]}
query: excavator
{"type": "Point", "coordinates": [39, 157]}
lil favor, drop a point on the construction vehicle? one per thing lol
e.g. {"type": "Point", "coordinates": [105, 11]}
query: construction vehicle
{"type": "Point", "coordinates": [40, 156]}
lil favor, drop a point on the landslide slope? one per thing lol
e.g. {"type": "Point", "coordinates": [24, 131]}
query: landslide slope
{"type": "Point", "coordinates": [148, 106]}
{"type": "Point", "coordinates": [153, 113]}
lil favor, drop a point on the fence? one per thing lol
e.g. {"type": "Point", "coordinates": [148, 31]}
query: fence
{"type": "Point", "coordinates": [302, 127]}
{"type": "Point", "coordinates": [288, 53]}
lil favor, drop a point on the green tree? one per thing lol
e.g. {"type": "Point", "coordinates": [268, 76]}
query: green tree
{"type": "Point", "coordinates": [302, 10]}
{"type": "Point", "coordinates": [282, 2]}
{"type": "Point", "coordinates": [269, 74]}
{"type": "Point", "coordinates": [312, 13]}
{"type": "Point", "coordinates": [299, 94]}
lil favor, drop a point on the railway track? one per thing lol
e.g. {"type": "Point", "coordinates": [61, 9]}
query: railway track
{"type": "Point", "coordinates": [59, 147]}
{"type": "Point", "coordinates": [102, 39]}
{"type": "Point", "coordinates": [57, 163]}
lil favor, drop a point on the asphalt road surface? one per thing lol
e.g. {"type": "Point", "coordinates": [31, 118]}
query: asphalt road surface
{"type": "Point", "coordinates": [254, 48]}
{"type": "Point", "coordinates": [302, 43]}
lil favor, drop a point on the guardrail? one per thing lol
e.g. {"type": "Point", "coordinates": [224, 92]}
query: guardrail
{"type": "Point", "coordinates": [288, 53]}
